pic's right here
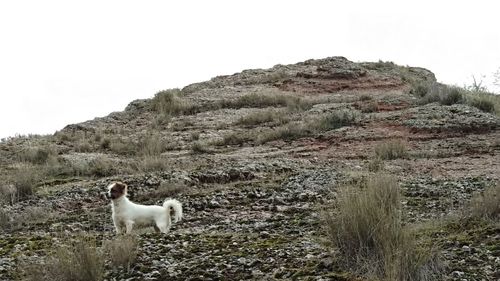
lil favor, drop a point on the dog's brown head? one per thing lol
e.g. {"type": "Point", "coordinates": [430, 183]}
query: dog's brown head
{"type": "Point", "coordinates": [117, 190]}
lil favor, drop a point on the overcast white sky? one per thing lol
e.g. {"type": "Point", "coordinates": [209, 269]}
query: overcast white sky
{"type": "Point", "coordinates": [65, 61]}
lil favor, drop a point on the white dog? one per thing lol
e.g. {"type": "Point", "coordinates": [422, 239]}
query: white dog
{"type": "Point", "coordinates": [128, 214]}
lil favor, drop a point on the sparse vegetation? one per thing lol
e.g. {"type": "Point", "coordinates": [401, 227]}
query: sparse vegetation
{"type": "Point", "coordinates": [169, 103]}
{"type": "Point", "coordinates": [366, 228]}
{"type": "Point", "coordinates": [288, 132]}
{"type": "Point", "coordinates": [448, 95]}
{"type": "Point", "coordinates": [434, 92]}
{"type": "Point", "coordinates": [5, 220]}
{"type": "Point", "coordinates": [122, 251]}
{"type": "Point", "coordinates": [365, 97]}
{"type": "Point", "coordinates": [150, 164]}
{"type": "Point", "coordinates": [79, 260]}
{"type": "Point", "coordinates": [261, 100]}
{"type": "Point", "coordinates": [199, 147]}
{"type": "Point", "coordinates": [391, 150]}
{"type": "Point", "coordinates": [234, 138]}
{"type": "Point", "coordinates": [260, 117]}
{"type": "Point", "coordinates": [484, 101]}
{"type": "Point", "coordinates": [166, 190]}
{"type": "Point", "coordinates": [375, 164]}
{"type": "Point", "coordinates": [335, 120]}
{"type": "Point", "coordinates": [24, 180]}
{"type": "Point", "coordinates": [38, 155]}
{"type": "Point", "coordinates": [151, 145]}
{"type": "Point", "coordinates": [486, 204]}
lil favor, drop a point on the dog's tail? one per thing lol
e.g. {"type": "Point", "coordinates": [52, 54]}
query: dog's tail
{"type": "Point", "coordinates": [176, 206]}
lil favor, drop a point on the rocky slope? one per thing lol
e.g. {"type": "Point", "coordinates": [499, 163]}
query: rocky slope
{"type": "Point", "coordinates": [254, 174]}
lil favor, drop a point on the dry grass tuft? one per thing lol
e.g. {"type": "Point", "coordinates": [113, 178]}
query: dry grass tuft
{"type": "Point", "coordinates": [79, 260]}
{"type": "Point", "coordinates": [366, 228]}
{"type": "Point", "coordinates": [391, 150]}
{"type": "Point", "coordinates": [122, 251]}
{"type": "Point", "coordinates": [486, 204]}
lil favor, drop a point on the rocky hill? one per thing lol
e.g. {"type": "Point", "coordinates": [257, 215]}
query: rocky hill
{"type": "Point", "coordinates": [257, 158]}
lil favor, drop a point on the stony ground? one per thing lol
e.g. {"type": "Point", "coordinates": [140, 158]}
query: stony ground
{"type": "Point", "coordinates": [253, 210]}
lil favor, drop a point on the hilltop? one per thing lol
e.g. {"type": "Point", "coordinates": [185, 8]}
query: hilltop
{"type": "Point", "coordinates": [257, 158]}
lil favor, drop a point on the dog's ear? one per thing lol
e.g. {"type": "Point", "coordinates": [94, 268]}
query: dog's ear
{"type": "Point", "coordinates": [120, 186]}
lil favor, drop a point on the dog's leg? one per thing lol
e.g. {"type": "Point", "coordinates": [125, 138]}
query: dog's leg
{"type": "Point", "coordinates": [164, 226]}
{"type": "Point", "coordinates": [156, 228]}
{"type": "Point", "coordinates": [117, 226]}
{"type": "Point", "coordinates": [129, 225]}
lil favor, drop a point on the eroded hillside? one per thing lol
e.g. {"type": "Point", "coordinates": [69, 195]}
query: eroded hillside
{"type": "Point", "coordinates": [255, 158]}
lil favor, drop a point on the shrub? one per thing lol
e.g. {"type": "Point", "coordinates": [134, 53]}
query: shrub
{"type": "Point", "coordinates": [169, 103]}
{"type": "Point", "coordinates": [151, 145]}
{"type": "Point", "coordinates": [369, 107]}
{"type": "Point", "coordinates": [105, 143]}
{"type": "Point", "coordinates": [80, 260]}
{"type": "Point", "coordinates": [5, 220]}
{"type": "Point", "coordinates": [39, 155]}
{"type": "Point", "coordinates": [25, 180]}
{"type": "Point", "coordinates": [123, 147]}
{"type": "Point", "coordinates": [287, 132]}
{"type": "Point", "coordinates": [122, 251]}
{"type": "Point", "coordinates": [165, 190]}
{"type": "Point", "coordinates": [484, 101]}
{"type": "Point", "coordinates": [420, 90]}
{"type": "Point", "coordinates": [195, 136]}
{"type": "Point", "coordinates": [365, 97]}
{"type": "Point", "coordinates": [335, 120]}
{"type": "Point", "coordinates": [8, 194]}
{"type": "Point", "coordinates": [451, 95]}
{"type": "Point", "coordinates": [234, 138]}
{"type": "Point", "coordinates": [434, 92]}
{"type": "Point", "coordinates": [199, 147]}
{"type": "Point", "coordinates": [261, 100]}
{"type": "Point", "coordinates": [366, 228]}
{"type": "Point", "coordinates": [487, 203]}
{"type": "Point", "coordinates": [150, 164]}
{"type": "Point", "coordinates": [375, 164]}
{"type": "Point", "coordinates": [260, 117]}
{"type": "Point", "coordinates": [391, 150]}
{"type": "Point", "coordinates": [100, 167]}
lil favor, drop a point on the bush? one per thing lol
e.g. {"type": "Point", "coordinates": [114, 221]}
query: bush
{"type": "Point", "coordinates": [150, 145]}
{"type": "Point", "coordinates": [122, 251]}
{"type": "Point", "coordinates": [5, 220]}
{"type": "Point", "coordinates": [391, 150]}
{"type": "Point", "coordinates": [150, 164]}
{"type": "Point", "coordinates": [25, 180]}
{"type": "Point", "coordinates": [78, 261]}
{"type": "Point", "coordinates": [451, 95]}
{"type": "Point", "coordinates": [375, 164]}
{"type": "Point", "coordinates": [100, 167]}
{"type": "Point", "coordinates": [199, 147]}
{"type": "Point", "coordinates": [261, 100]}
{"type": "Point", "coordinates": [168, 103]}
{"type": "Point", "coordinates": [365, 97]}
{"type": "Point", "coordinates": [445, 95]}
{"type": "Point", "coordinates": [260, 117]}
{"type": "Point", "coordinates": [287, 132]}
{"type": "Point", "coordinates": [335, 120]}
{"type": "Point", "coordinates": [484, 102]}
{"type": "Point", "coordinates": [234, 138]}
{"type": "Point", "coordinates": [39, 155]}
{"type": "Point", "coordinates": [123, 147]}
{"type": "Point", "coordinates": [164, 190]}
{"type": "Point", "coordinates": [366, 228]}
{"type": "Point", "coordinates": [486, 204]}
